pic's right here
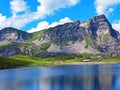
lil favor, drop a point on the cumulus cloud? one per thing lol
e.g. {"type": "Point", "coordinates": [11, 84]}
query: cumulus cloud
{"type": "Point", "coordinates": [2, 18]}
{"type": "Point", "coordinates": [44, 25]}
{"type": "Point", "coordinates": [105, 6]}
{"type": "Point", "coordinates": [45, 8]}
{"type": "Point", "coordinates": [116, 25]}
{"type": "Point", "coordinates": [48, 6]}
{"type": "Point", "coordinates": [18, 6]}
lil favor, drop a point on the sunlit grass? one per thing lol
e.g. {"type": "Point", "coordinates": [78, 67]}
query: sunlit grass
{"type": "Point", "coordinates": [114, 59]}
{"type": "Point", "coordinates": [22, 60]}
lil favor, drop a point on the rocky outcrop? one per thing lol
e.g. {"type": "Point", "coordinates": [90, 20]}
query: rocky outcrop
{"type": "Point", "coordinates": [10, 34]}
{"type": "Point", "coordinates": [99, 28]}
{"type": "Point", "coordinates": [63, 34]}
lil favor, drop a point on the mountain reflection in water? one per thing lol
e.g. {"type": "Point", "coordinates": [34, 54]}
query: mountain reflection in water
{"type": "Point", "coordinates": [68, 77]}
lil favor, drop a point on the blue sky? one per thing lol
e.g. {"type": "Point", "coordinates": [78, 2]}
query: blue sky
{"type": "Point", "coordinates": [35, 15]}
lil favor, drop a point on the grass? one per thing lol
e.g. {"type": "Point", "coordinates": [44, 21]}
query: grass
{"type": "Point", "coordinates": [5, 43]}
{"type": "Point", "coordinates": [35, 61]}
{"type": "Point", "coordinates": [22, 60]}
{"type": "Point", "coordinates": [114, 59]}
{"type": "Point", "coordinates": [45, 46]}
{"type": "Point", "coordinates": [12, 63]}
{"type": "Point", "coordinates": [73, 60]}
{"type": "Point", "coordinates": [105, 38]}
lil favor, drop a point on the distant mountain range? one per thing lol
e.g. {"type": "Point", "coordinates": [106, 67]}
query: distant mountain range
{"type": "Point", "coordinates": [94, 36]}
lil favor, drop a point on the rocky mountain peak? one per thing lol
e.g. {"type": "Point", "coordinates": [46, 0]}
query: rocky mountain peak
{"type": "Point", "coordinates": [96, 22]}
{"type": "Point", "coordinates": [99, 22]}
{"type": "Point", "coordinates": [10, 34]}
{"type": "Point", "coordinates": [99, 26]}
{"type": "Point", "coordinates": [9, 29]}
{"type": "Point", "coordinates": [99, 17]}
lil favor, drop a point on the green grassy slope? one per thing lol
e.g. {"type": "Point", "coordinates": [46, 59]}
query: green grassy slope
{"type": "Point", "coordinates": [11, 63]}
{"type": "Point", "coordinates": [114, 59]}
{"type": "Point", "coordinates": [22, 60]}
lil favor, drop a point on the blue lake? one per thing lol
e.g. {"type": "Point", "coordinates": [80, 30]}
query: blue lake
{"type": "Point", "coordinates": [67, 77]}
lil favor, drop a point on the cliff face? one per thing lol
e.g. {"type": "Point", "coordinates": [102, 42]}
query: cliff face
{"type": "Point", "coordinates": [103, 35]}
{"type": "Point", "coordinates": [99, 28]}
{"type": "Point", "coordinates": [93, 36]}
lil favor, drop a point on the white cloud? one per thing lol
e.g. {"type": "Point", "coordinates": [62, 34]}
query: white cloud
{"type": "Point", "coordinates": [45, 25]}
{"type": "Point", "coordinates": [105, 6]}
{"type": "Point", "coordinates": [62, 21]}
{"type": "Point", "coordinates": [111, 10]}
{"type": "Point", "coordinates": [48, 6]}
{"type": "Point", "coordinates": [45, 8]}
{"type": "Point", "coordinates": [18, 6]}
{"type": "Point", "coordinates": [116, 25]}
{"type": "Point", "coordinates": [2, 20]}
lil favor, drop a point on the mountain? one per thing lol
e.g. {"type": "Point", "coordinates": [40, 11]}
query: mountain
{"type": "Point", "coordinates": [10, 34]}
{"type": "Point", "coordinates": [94, 36]}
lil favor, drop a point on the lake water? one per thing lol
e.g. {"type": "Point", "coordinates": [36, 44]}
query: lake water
{"type": "Point", "coordinates": [68, 77]}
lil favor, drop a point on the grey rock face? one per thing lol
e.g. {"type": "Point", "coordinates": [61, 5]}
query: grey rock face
{"type": "Point", "coordinates": [99, 26]}
{"type": "Point", "coordinates": [9, 52]}
{"type": "Point", "coordinates": [10, 34]}
{"type": "Point", "coordinates": [62, 34]}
